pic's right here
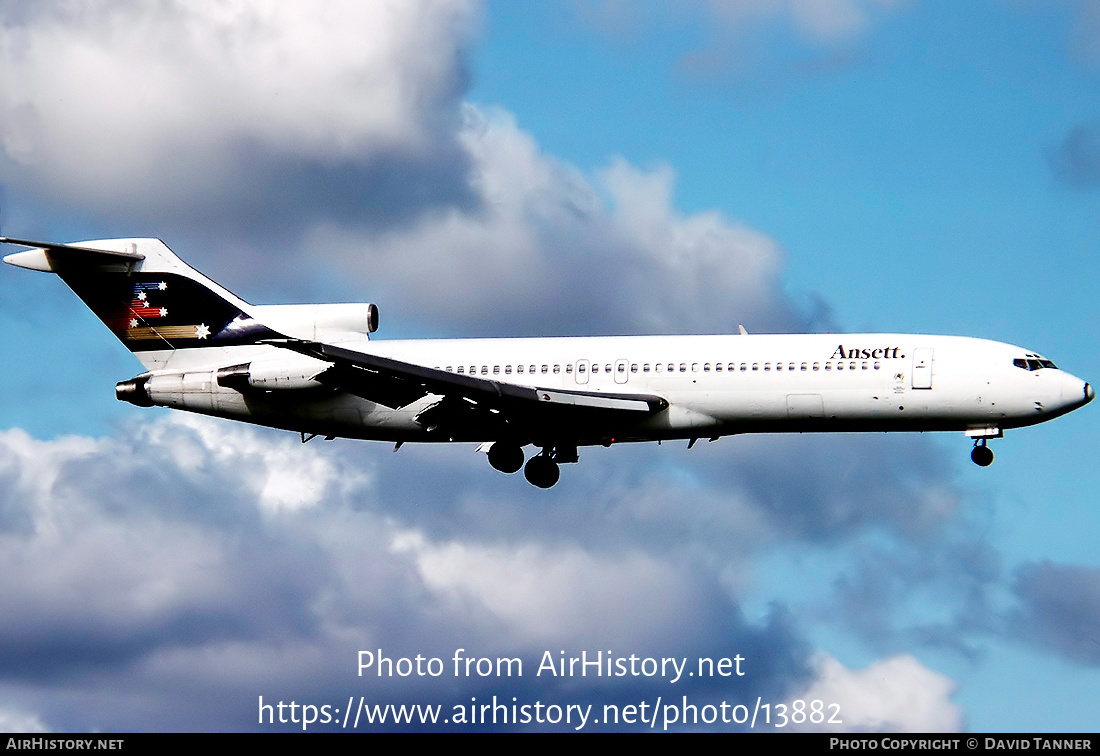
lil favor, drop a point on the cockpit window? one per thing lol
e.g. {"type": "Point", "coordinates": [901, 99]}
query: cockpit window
{"type": "Point", "coordinates": [1033, 362]}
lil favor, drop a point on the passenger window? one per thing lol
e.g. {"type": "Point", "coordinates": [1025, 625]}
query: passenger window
{"type": "Point", "coordinates": [519, 368]}
{"type": "Point", "coordinates": [545, 369]}
{"type": "Point", "coordinates": [744, 367]}
{"type": "Point", "coordinates": [828, 366]}
{"type": "Point", "coordinates": [779, 366]}
{"type": "Point", "coordinates": [531, 369]}
{"type": "Point", "coordinates": [582, 368]}
{"type": "Point", "coordinates": [507, 369]}
{"type": "Point", "coordinates": [595, 369]}
{"type": "Point", "coordinates": [851, 366]}
{"type": "Point", "coordinates": [803, 366]}
{"type": "Point", "coordinates": [817, 366]}
{"type": "Point", "coordinates": [839, 366]}
{"type": "Point", "coordinates": [683, 367]}
{"type": "Point", "coordinates": [695, 367]}
{"type": "Point", "coordinates": [557, 369]}
{"type": "Point", "coordinates": [718, 367]}
{"type": "Point", "coordinates": [569, 368]}
{"type": "Point", "coordinates": [485, 370]}
{"type": "Point", "coordinates": [864, 365]}
{"type": "Point", "coordinates": [767, 366]}
{"type": "Point", "coordinates": [622, 368]}
{"type": "Point", "coordinates": [496, 369]}
{"type": "Point", "coordinates": [645, 368]}
{"type": "Point", "coordinates": [450, 369]}
{"type": "Point", "coordinates": [756, 366]}
{"type": "Point", "coordinates": [607, 368]}
{"type": "Point", "coordinates": [706, 367]}
{"type": "Point", "coordinates": [634, 367]}
{"type": "Point", "coordinates": [671, 367]}
{"type": "Point", "coordinates": [877, 366]}
{"type": "Point", "coordinates": [460, 370]}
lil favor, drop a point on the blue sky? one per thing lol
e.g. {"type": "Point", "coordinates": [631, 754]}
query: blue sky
{"type": "Point", "coordinates": [540, 168]}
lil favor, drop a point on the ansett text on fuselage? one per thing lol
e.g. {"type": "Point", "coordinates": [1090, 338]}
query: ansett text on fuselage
{"type": "Point", "coordinates": [856, 353]}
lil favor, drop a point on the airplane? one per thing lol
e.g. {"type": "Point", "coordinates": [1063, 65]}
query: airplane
{"type": "Point", "coordinates": [314, 370]}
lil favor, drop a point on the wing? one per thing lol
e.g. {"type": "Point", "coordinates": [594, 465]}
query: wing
{"type": "Point", "coordinates": [467, 401]}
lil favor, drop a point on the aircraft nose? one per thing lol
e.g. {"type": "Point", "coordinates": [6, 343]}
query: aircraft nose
{"type": "Point", "coordinates": [1075, 392]}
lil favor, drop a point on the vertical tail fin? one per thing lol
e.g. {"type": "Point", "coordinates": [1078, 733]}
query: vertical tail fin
{"type": "Point", "coordinates": [150, 299]}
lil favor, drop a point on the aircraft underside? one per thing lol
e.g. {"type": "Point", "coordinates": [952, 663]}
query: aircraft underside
{"type": "Point", "coordinates": [330, 415]}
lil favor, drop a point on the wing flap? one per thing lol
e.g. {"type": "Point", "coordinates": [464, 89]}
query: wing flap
{"type": "Point", "coordinates": [374, 385]}
{"type": "Point", "coordinates": [593, 400]}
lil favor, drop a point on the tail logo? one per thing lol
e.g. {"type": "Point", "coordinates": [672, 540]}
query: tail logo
{"type": "Point", "coordinates": [155, 311]}
{"type": "Point", "coordinates": [139, 320]}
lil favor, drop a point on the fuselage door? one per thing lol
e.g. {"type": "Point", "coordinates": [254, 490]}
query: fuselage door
{"type": "Point", "coordinates": [922, 368]}
{"type": "Point", "coordinates": [581, 371]}
{"type": "Point", "coordinates": [622, 371]}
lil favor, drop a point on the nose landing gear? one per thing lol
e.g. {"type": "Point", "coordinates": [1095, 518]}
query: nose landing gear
{"type": "Point", "coordinates": [982, 454]}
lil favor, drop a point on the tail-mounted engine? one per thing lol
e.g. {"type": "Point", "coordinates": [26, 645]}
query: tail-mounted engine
{"type": "Point", "coordinates": [318, 322]}
{"type": "Point", "coordinates": [292, 373]}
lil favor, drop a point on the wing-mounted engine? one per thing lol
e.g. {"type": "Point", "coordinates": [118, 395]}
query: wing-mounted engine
{"type": "Point", "coordinates": [319, 321]}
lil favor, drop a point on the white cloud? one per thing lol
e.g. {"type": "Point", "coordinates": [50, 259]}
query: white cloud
{"type": "Point", "coordinates": [898, 694]}
{"type": "Point", "coordinates": [544, 593]}
{"type": "Point", "coordinates": [112, 101]}
{"type": "Point", "coordinates": [155, 578]}
{"type": "Point", "coordinates": [17, 720]}
{"type": "Point", "coordinates": [544, 252]}
{"type": "Point", "coordinates": [283, 474]}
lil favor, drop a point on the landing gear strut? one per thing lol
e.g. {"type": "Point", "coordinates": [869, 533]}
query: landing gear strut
{"type": "Point", "coordinates": [982, 454]}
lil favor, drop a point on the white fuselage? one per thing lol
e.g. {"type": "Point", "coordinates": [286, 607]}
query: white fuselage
{"type": "Point", "coordinates": [714, 385]}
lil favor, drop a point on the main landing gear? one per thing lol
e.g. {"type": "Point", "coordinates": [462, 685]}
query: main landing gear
{"type": "Point", "coordinates": [541, 470]}
{"type": "Point", "coordinates": [982, 454]}
{"type": "Point", "coordinates": [507, 458]}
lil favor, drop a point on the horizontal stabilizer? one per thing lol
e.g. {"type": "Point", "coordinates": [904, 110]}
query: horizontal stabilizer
{"type": "Point", "coordinates": [48, 257]}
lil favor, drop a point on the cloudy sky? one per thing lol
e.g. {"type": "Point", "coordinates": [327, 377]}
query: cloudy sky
{"type": "Point", "coordinates": [548, 168]}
